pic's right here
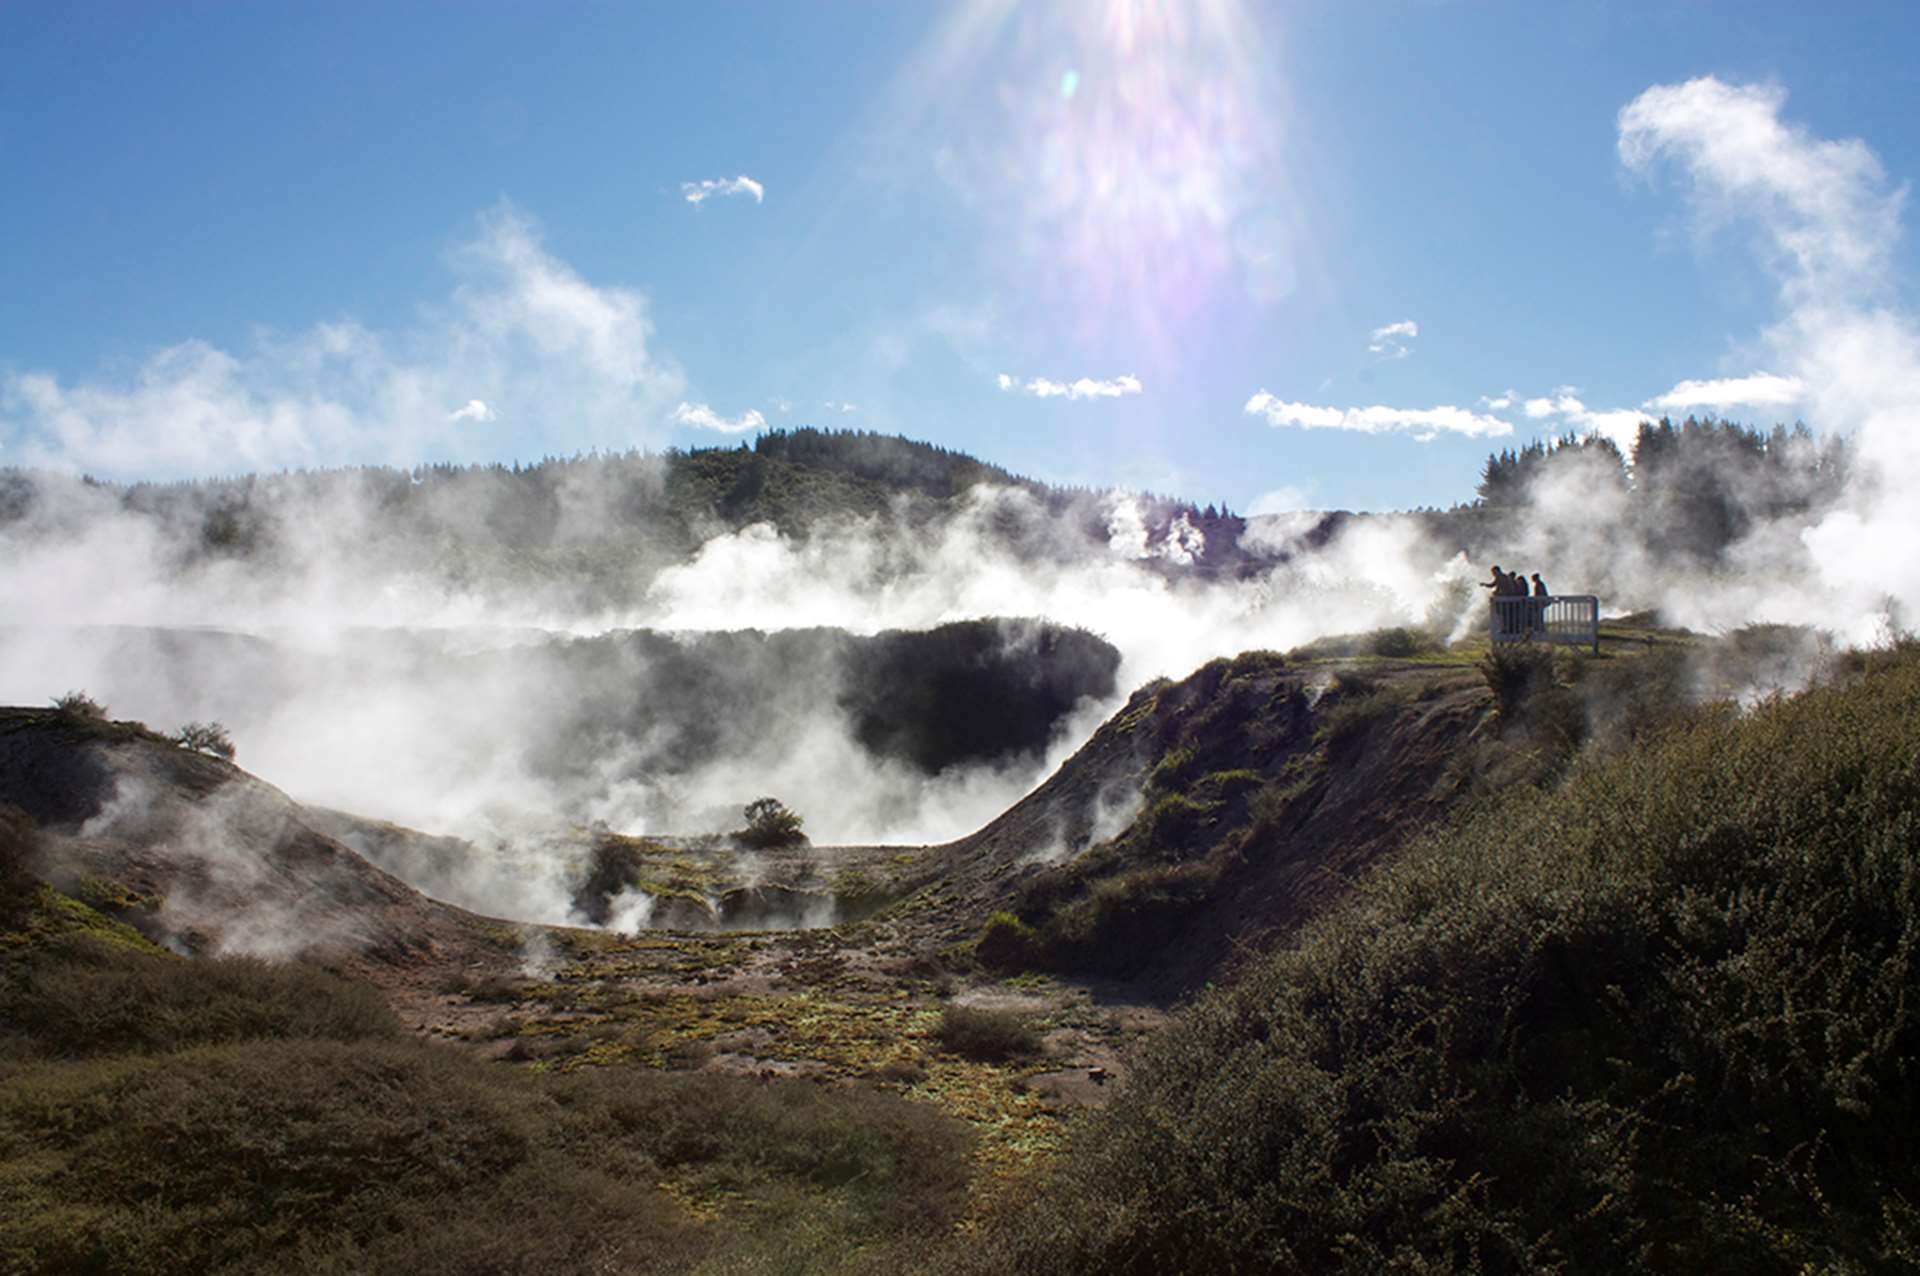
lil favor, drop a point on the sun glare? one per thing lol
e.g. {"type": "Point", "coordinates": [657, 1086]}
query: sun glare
{"type": "Point", "coordinates": [1137, 149]}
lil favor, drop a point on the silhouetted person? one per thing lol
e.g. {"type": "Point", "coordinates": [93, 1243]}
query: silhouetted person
{"type": "Point", "coordinates": [1504, 585]}
{"type": "Point", "coordinates": [1539, 605]}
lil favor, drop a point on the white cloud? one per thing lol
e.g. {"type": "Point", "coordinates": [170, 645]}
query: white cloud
{"type": "Point", "coordinates": [1393, 340]}
{"type": "Point", "coordinates": [521, 328]}
{"type": "Point", "coordinates": [1501, 403]}
{"type": "Point", "coordinates": [1760, 390]}
{"type": "Point", "coordinates": [1621, 425]}
{"type": "Point", "coordinates": [1083, 388]}
{"type": "Point", "coordinates": [1425, 423]}
{"type": "Point", "coordinates": [702, 417]}
{"type": "Point", "coordinates": [1827, 221]}
{"type": "Point", "coordinates": [697, 193]}
{"type": "Point", "coordinates": [842, 408]}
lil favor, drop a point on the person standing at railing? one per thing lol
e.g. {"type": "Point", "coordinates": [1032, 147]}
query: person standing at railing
{"type": "Point", "coordinates": [1538, 618]}
{"type": "Point", "coordinates": [1510, 617]}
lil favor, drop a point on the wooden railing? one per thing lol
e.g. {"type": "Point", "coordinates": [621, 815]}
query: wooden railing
{"type": "Point", "coordinates": [1573, 619]}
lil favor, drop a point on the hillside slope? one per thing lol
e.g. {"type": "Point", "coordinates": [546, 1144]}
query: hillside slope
{"type": "Point", "coordinates": [1213, 811]}
{"type": "Point", "coordinates": [1658, 1019]}
{"type": "Point", "coordinates": [202, 857]}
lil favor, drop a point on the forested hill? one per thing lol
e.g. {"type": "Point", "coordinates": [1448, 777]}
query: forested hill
{"type": "Point", "coordinates": [608, 518]}
{"type": "Point", "coordinates": [1687, 493]}
{"type": "Point", "coordinates": [594, 531]}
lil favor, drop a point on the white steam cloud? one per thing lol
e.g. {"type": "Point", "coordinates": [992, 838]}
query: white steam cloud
{"type": "Point", "coordinates": [379, 729]}
{"type": "Point", "coordinates": [1825, 221]}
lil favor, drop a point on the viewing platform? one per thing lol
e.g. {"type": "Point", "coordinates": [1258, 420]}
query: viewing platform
{"type": "Point", "coordinates": [1571, 619]}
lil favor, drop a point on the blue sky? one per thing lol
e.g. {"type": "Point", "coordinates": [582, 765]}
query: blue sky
{"type": "Point", "coordinates": [1261, 254]}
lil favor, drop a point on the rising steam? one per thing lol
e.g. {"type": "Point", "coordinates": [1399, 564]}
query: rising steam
{"type": "Point", "coordinates": [427, 720]}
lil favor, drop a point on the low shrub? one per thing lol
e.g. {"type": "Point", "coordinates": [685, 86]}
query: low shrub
{"type": "Point", "coordinates": [1658, 1019]}
{"type": "Point", "coordinates": [770, 824]}
{"type": "Point", "coordinates": [1398, 642]}
{"type": "Point", "coordinates": [1172, 772]}
{"type": "Point", "coordinates": [78, 704]}
{"type": "Point", "coordinates": [315, 1155]}
{"type": "Point", "coordinates": [1123, 920]}
{"type": "Point", "coordinates": [1174, 821]}
{"type": "Point", "coordinates": [1224, 786]}
{"type": "Point", "coordinates": [1357, 703]}
{"type": "Point", "coordinates": [989, 1036]}
{"type": "Point", "coordinates": [79, 996]}
{"type": "Point", "coordinates": [18, 837]}
{"type": "Point", "coordinates": [903, 1070]}
{"type": "Point", "coordinates": [1515, 671]}
{"type": "Point", "coordinates": [1006, 943]}
{"type": "Point", "coordinates": [262, 1120]}
{"type": "Point", "coordinates": [206, 737]}
{"type": "Point", "coordinates": [903, 1164]}
{"type": "Point", "coordinates": [1353, 684]}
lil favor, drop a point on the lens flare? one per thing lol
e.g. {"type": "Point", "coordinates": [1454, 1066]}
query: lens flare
{"type": "Point", "coordinates": [1142, 187]}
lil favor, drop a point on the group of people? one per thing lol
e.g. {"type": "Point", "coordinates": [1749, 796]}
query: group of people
{"type": "Point", "coordinates": [1514, 585]}
{"type": "Point", "coordinates": [1527, 618]}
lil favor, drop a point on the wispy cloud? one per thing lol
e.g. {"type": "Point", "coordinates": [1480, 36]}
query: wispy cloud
{"type": "Point", "coordinates": [1425, 424]}
{"type": "Point", "coordinates": [842, 408]}
{"type": "Point", "coordinates": [702, 417]}
{"type": "Point", "coordinates": [698, 193]}
{"type": "Point", "coordinates": [1760, 390]}
{"type": "Point", "coordinates": [1083, 388]}
{"type": "Point", "coordinates": [523, 335]}
{"type": "Point", "coordinates": [1393, 340]}
{"type": "Point", "coordinates": [1829, 222]}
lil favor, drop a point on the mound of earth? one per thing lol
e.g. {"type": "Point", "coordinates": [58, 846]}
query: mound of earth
{"type": "Point", "coordinates": [1229, 806]}
{"type": "Point", "coordinates": [202, 857]}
